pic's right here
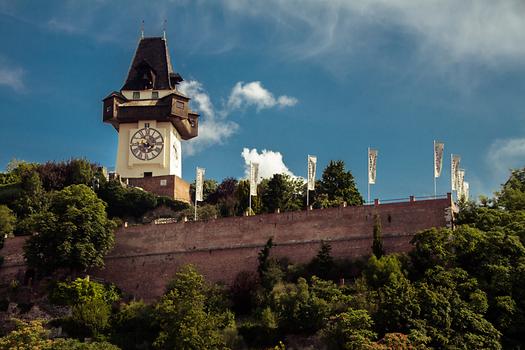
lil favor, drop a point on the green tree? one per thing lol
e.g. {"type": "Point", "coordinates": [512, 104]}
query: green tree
{"type": "Point", "coordinates": [125, 202]}
{"type": "Point", "coordinates": [398, 308]}
{"type": "Point", "coordinates": [322, 265]}
{"type": "Point", "coordinates": [32, 199]}
{"type": "Point", "coordinates": [134, 326]}
{"type": "Point", "coordinates": [264, 258]}
{"type": "Point", "coordinates": [351, 330]}
{"type": "Point", "coordinates": [337, 186]}
{"type": "Point", "coordinates": [185, 319]}
{"type": "Point", "coordinates": [80, 171]}
{"type": "Point", "coordinates": [284, 193]}
{"type": "Point", "coordinates": [377, 243]}
{"type": "Point", "coordinates": [33, 336]}
{"type": "Point", "coordinates": [27, 336]}
{"type": "Point", "coordinates": [75, 233]}
{"type": "Point", "coordinates": [242, 195]}
{"type": "Point", "coordinates": [378, 272]}
{"type": "Point", "coordinates": [209, 187]}
{"type": "Point", "coordinates": [225, 198]}
{"type": "Point", "coordinates": [90, 302]}
{"type": "Point", "coordinates": [7, 223]}
{"type": "Point", "coordinates": [512, 194]}
{"type": "Point", "coordinates": [298, 309]}
{"type": "Point", "coordinates": [452, 307]}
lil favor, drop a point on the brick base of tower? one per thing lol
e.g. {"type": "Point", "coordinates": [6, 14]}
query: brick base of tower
{"type": "Point", "coordinates": [168, 185]}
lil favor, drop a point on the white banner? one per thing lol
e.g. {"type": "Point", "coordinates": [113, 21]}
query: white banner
{"type": "Point", "coordinates": [372, 166]}
{"type": "Point", "coordinates": [461, 183]}
{"type": "Point", "coordinates": [466, 190]}
{"type": "Point", "coordinates": [454, 171]}
{"type": "Point", "coordinates": [438, 158]}
{"type": "Point", "coordinates": [254, 176]}
{"type": "Point", "coordinates": [199, 184]}
{"type": "Point", "coordinates": [312, 163]}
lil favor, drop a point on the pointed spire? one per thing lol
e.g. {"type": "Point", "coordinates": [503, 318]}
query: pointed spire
{"type": "Point", "coordinates": [142, 30]}
{"type": "Point", "coordinates": [164, 29]}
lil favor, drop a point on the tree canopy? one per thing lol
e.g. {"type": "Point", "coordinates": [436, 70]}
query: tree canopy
{"type": "Point", "coordinates": [337, 186]}
{"type": "Point", "coordinates": [74, 233]}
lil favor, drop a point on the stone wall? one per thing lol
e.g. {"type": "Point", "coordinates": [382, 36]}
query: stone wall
{"type": "Point", "coordinates": [146, 257]}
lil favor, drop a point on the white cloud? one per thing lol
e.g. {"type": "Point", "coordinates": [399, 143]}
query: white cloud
{"type": "Point", "coordinates": [215, 128]}
{"type": "Point", "coordinates": [254, 94]}
{"type": "Point", "coordinates": [483, 31]}
{"type": "Point", "coordinates": [212, 130]}
{"type": "Point", "coordinates": [199, 96]}
{"type": "Point", "coordinates": [504, 155]}
{"type": "Point", "coordinates": [61, 26]}
{"type": "Point", "coordinates": [270, 162]}
{"type": "Point", "coordinates": [11, 76]}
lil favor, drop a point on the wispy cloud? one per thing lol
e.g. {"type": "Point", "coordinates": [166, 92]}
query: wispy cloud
{"type": "Point", "coordinates": [504, 155]}
{"type": "Point", "coordinates": [270, 162]}
{"type": "Point", "coordinates": [212, 129]}
{"type": "Point", "coordinates": [483, 30]}
{"type": "Point", "coordinates": [215, 127]}
{"type": "Point", "coordinates": [327, 32]}
{"type": "Point", "coordinates": [12, 77]}
{"type": "Point", "coordinates": [61, 26]}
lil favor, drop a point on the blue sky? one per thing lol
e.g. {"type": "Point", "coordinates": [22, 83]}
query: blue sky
{"type": "Point", "coordinates": [328, 78]}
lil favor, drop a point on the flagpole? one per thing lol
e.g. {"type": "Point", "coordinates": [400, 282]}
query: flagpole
{"type": "Point", "coordinates": [250, 193]}
{"type": "Point", "coordinates": [307, 179]}
{"type": "Point", "coordinates": [451, 176]}
{"type": "Point", "coordinates": [435, 185]}
{"type": "Point", "coordinates": [195, 215]}
{"type": "Point", "coordinates": [368, 175]}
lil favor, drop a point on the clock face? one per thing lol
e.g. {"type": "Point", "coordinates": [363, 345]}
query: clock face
{"type": "Point", "coordinates": [146, 144]}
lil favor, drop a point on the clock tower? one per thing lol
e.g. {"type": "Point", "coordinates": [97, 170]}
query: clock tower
{"type": "Point", "coordinates": [152, 118]}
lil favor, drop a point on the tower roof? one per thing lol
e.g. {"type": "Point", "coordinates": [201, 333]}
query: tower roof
{"type": "Point", "coordinates": [151, 67]}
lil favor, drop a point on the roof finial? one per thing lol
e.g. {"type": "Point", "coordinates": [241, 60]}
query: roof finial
{"type": "Point", "coordinates": [164, 29]}
{"type": "Point", "coordinates": [142, 30]}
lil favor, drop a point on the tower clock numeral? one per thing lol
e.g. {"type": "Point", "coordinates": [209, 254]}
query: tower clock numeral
{"type": "Point", "coordinates": [146, 144]}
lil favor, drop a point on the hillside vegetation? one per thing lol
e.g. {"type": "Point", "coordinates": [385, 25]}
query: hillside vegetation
{"type": "Point", "coordinates": [457, 289]}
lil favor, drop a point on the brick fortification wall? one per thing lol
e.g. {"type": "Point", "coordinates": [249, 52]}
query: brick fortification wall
{"type": "Point", "coordinates": [146, 257]}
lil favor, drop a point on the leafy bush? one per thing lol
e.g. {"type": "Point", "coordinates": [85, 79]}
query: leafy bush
{"type": "Point", "coordinates": [134, 326]}
{"type": "Point", "coordinates": [349, 330]}
{"type": "Point", "coordinates": [186, 319]}
{"type": "Point", "coordinates": [90, 302]}
{"type": "Point", "coordinates": [75, 233]}
{"type": "Point", "coordinates": [297, 308]}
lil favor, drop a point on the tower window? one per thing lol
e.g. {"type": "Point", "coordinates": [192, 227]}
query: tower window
{"type": "Point", "coordinates": [136, 95]}
{"type": "Point", "coordinates": [154, 95]}
{"type": "Point", "coordinates": [148, 174]}
{"type": "Point", "coordinates": [180, 105]}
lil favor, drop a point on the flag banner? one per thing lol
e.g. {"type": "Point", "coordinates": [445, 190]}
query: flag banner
{"type": "Point", "coordinates": [372, 166]}
{"type": "Point", "coordinates": [312, 163]}
{"type": "Point", "coordinates": [199, 184]}
{"type": "Point", "coordinates": [466, 190]}
{"type": "Point", "coordinates": [454, 168]}
{"type": "Point", "coordinates": [438, 158]}
{"type": "Point", "coordinates": [254, 176]}
{"type": "Point", "coordinates": [461, 183]}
